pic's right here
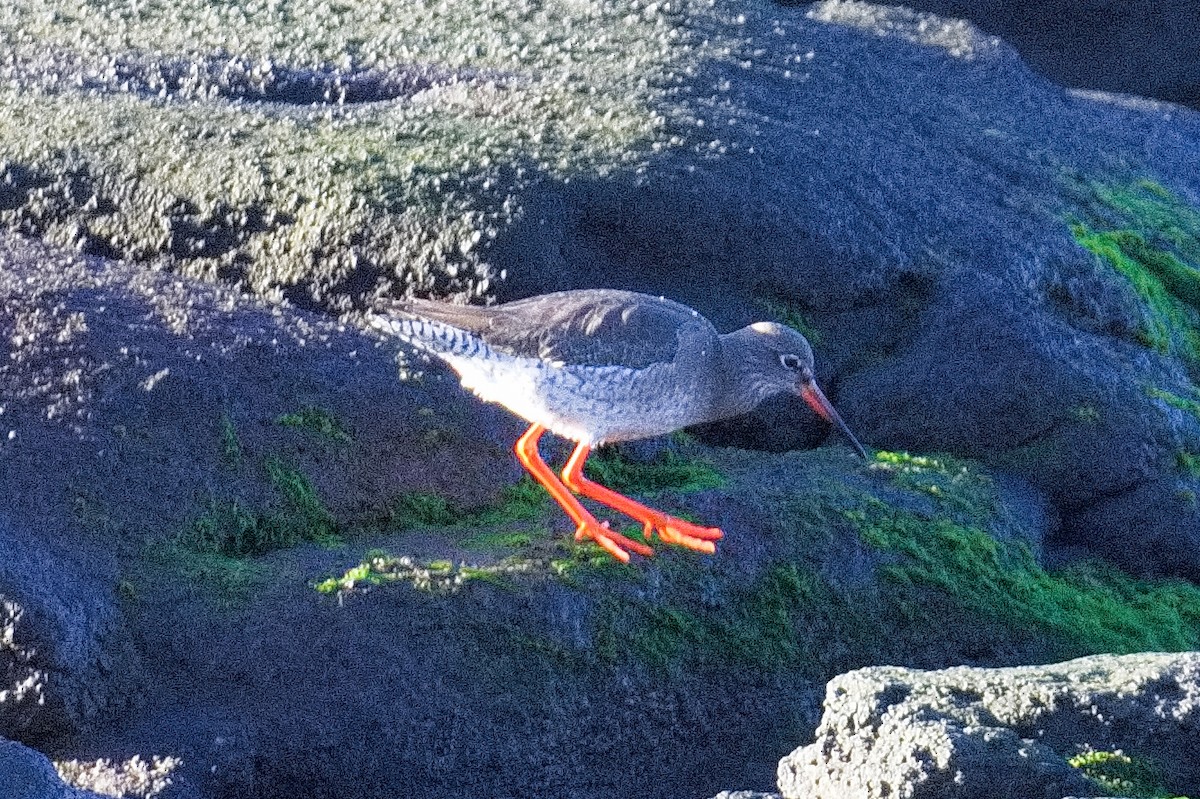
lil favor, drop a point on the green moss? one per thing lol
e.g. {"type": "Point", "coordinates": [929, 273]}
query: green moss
{"type": "Point", "coordinates": [954, 484]}
{"type": "Point", "coordinates": [226, 528]}
{"type": "Point", "coordinates": [1175, 401]}
{"type": "Point", "coordinates": [1119, 774]}
{"type": "Point", "coordinates": [231, 445]}
{"type": "Point", "coordinates": [790, 618]}
{"type": "Point", "coordinates": [522, 501]}
{"type": "Point", "coordinates": [497, 540]}
{"type": "Point", "coordinates": [231, 530]}
{"type": "Point", "coordinates": [316, 420]}
{"type": "Point", "coordinates": [1189, 462]}
{"type": "Point", "coordinates": [791, 316]}
{"type": "Point", "coordinates": [667, 471]}
{"type": "Point", "coordinates": [229, 581]}
{"type": "Point", "coordinates": [379, 567]}
{"type": "Point", "coordinates": [1152, 238]}
{"type": "Point", "coordinates": [1086, 414]}
{"type": "Point", "coordinates": [1084, 609]}
{"type": "Point", "coordinates": [420, 509]}
{"type": "Point", "coordinates": [303, 511]}
{"type": "Point", "coordinates": [575, 562]}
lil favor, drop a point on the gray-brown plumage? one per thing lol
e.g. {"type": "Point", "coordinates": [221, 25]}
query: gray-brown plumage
{"type": "Point", "coordinates": [602, 365]}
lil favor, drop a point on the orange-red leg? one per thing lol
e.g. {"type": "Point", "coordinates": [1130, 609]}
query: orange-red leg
{"type": "Point", "coordinates": [669, 528]}
{"type": "Point", "coordinates": [614, 543]}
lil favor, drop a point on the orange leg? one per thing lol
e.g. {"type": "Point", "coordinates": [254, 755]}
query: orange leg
{"type": "Point", "coordinates": [614, 543]}
{"type": "Point", "coordinates": [670, 529]}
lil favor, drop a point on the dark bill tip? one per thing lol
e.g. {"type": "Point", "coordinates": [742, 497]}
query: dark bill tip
{"type": "Point", "coordinates": [817, 401]}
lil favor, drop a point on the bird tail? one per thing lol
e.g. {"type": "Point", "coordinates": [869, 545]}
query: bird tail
{"type": "Point", "coordinates": [431, 336]}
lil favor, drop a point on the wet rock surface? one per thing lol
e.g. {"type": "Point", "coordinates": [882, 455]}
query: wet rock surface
{"type": "Point", "coordinates": [195, 435]}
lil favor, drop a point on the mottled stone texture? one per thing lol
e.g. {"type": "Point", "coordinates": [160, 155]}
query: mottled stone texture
{"type": "Point", "coordinates": [970, 733]}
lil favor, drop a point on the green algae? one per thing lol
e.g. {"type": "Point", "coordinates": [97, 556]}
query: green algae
{"type": "Point", "coordinates": [1189, 463]}
{"type": "Point", "coordinates": [521, 502]}
{"type": "Point", "coordinates": [1118, 774]}
{"type": "Point", "coordinates": [316, 420]}
{"type": "Point", "coordinates": [417, 509]}
{"type": "Point", "coordinates": [379, 567]}
{"type": "Point", "coordinates": [930, 560]}
{"type": "Point", "coordinates": [1185, 404]}
{"type": "Point", "coordinates": [954, 484]}
{"type": "Point", "coordinates": [230, 444]}
{"type": "Point", "coordinates": [666, 471]}
{"type": "Point", "coordinates": [229, 529]}
{"type": "Point", "coordinates": [1084, 609]}
{"type": "Point", "coordinates": [787, 619]}
{"type": "Point", "coordinates": [936, 565]}
{"type": "Point", "coordinates": [1151, 237]}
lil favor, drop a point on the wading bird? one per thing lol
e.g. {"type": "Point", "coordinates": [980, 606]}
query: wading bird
{"type": "Point", "coordinates": [599, 366]}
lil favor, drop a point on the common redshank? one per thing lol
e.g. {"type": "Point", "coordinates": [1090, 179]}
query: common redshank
{"type": "Point", "coordinates": [599, 366]}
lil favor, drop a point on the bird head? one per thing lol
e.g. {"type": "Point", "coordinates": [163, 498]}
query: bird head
{"type": "Point", "coordinates": [782, 361]}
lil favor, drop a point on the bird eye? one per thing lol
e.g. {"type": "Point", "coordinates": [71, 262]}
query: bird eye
{"type": "Point", "coordinates": [790, 361]}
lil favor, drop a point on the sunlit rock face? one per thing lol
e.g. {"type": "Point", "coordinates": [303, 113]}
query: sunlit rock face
{"type": "Point", "coordinates": [1033, 730]}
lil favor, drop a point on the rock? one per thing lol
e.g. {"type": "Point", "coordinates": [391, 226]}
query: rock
{"type": "Point", "coordinates": [1139, 47]}
{"type": "Point", "coordinates": [991, 265]}
{"type": "Point", "coordinates": [27, 774]}
{"type": "Point", "coordinates": [182, 464]}
{"type": "Point", "coordinates": [66, 657]}
{"type": "Point", "coordinates": [975, 322]}
{"type": "Point", "coordinates": [976, 733]}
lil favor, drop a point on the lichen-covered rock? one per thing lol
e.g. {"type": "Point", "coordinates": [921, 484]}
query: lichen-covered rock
{"type": "Point", "coordinates": [970, 733]}
{"type": "Point", "coordinates": [988, 265]}
{"type": "Point", "coordinates": [991, 266]}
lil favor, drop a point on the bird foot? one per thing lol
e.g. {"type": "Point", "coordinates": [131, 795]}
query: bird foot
{"type": "Point", "coordinates": [610, 541]}
{"type": "Point", "coordinates": [682, 533]}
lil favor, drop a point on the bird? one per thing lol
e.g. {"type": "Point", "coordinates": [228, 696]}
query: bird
{"type": "Point", "coordinates": [599, 366]}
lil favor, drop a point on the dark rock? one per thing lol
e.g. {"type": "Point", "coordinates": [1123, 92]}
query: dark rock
{"type": "Point", "coordinates": [1141, 47]}
{"type": "Point", "coordinates": [27, 774]}
{"type": "Point", "coordinates": [981, 733]}
{"type": "Point", "coordinates": [922, 231]}
{"type": "Point", "coordinates": [65, 653]}
{"type": "Point", "coordinates": [903, 187]}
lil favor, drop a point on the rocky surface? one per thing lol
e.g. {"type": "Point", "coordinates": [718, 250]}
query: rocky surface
{"type": "Point", "coordinates": [993, 266]}
{"type": "Point", "coordinates": [1141, 47]}
{"type": "Point", "coordinates": [195, 436]}
{"type": "Point", "coordinates": [26, 774]}
{"type": "Point", "coordinates": [978, 733]}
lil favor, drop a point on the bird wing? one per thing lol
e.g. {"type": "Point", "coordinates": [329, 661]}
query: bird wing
{"type": "Point", "coordinates": [595, 327]}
